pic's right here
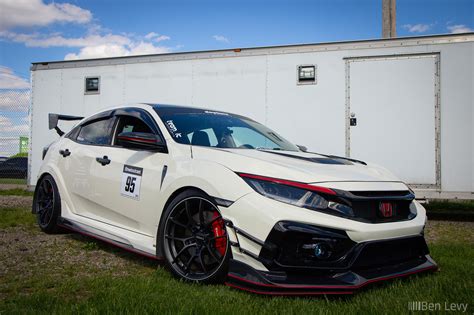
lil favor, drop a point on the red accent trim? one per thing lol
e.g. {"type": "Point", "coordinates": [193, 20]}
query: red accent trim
{"type": "Point", "coordinates": [349, 287]}
{"type": "Point", "coordinates": [287, 293]}
{"type": "Point", "coordinates": [137, 139]}
{"type": "Point", "coordinates": [290, 183]}
{"type": "Point", "coordinates": [128, 249]}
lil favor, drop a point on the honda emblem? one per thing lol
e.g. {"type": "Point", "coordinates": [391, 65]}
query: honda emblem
{"type": "Point", "coordinates": [386, 209]}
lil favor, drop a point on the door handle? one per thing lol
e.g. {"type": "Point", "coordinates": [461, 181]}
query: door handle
{"type": "Point", "coordinates": [65, 153]}
{"type": "Point", "coordinates": [104, 160]}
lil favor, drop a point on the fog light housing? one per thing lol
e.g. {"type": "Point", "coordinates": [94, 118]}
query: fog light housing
{"type": "Point", "coordinates": [320, 250]}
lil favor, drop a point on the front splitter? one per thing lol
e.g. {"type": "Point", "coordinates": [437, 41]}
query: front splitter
{"type": "Point", "coordinates": [243, 277]}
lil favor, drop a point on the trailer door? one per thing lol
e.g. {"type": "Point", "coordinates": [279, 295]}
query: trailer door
{"type": "Point", "coordinates": [393, 115]}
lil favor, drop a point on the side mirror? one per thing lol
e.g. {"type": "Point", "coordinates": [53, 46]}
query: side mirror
{"type": "Point", "coordinates": [302, 148]}
{"type": "Point", "coordinates": [141, 141]}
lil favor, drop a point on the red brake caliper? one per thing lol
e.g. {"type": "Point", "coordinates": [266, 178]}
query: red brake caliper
{"type": "Point", "coordinates": [219, 233]}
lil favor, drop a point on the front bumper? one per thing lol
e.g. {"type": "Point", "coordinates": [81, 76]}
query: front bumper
{"type": "Point", "coordinates": [292, 266]}
{"type": "Point", "coordinates": [242, 276]}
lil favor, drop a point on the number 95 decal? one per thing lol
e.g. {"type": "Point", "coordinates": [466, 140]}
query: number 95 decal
{"type": "Point", "coordinates": [131, 180]}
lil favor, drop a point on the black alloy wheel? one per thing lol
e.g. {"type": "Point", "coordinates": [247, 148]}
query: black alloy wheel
{"type": "Point", "coordinates": [47, 204]}
{"type": "Point", "coordinates": [195, 242]}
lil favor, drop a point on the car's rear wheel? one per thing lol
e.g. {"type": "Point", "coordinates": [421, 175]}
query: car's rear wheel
{"type": "Point", "coordinates": [47, 205]}
{"type": "Point", "coordinates": [194, 239]}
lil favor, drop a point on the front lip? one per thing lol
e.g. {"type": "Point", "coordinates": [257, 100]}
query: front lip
{"type": "Point", "coordinates": [244, 277]}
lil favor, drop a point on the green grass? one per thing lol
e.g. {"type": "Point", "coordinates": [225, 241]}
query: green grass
{"type": "Point", "coordinates": [149, 288]}
{"type": "Point", "coordinates": [461, 210]}
{"type": "Point", "coordinates": [13, 217]}
{"type": "Point", "coordinates": [15, 181]}
{"type": "Point", "coordinates": [450, 205]}
{"type": "Point", "coordinates": [15, 192]}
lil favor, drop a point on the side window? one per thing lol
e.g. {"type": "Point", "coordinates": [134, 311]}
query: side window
{"type": "Point", "coordinates": [96, 133]}
{"type": "Point", "coordinates": [131, 124]}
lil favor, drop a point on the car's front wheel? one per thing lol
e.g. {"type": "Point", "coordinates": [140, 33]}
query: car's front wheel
{"type": "Point", "coordinates": [194, 239]}
{"type": "Point", "coordinates": [47, 204]}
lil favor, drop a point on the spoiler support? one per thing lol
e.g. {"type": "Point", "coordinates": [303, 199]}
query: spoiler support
{"type": "Point", "coordinates": [55, 118]}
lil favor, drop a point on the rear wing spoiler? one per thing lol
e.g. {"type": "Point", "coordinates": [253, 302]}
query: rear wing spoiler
{"type": "Point", "coordinates": [55, 118]}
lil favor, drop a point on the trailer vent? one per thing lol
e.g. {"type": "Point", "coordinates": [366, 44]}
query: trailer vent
{"type": "Point", "coordinates": [306, 74]}
{"type": "Point", "coordinates": [92, 85]}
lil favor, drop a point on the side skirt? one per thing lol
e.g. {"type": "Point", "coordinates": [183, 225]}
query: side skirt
{"type": "Point", "coordinates": [90, 232]}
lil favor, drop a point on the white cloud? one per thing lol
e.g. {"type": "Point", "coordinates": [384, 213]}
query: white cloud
{"type": "Point", "coordinates": [9, 129]}
{"type": "Point", "coordinates": [156, 37]}
{"type": "Point", "coordinates": [94, 45]}
{"type": "Point", "coordinates": [97, 43]}
{"type": "Point", "coordinates": [417, 28]}
{"type": "Point", "coordinates": [9, 80]}
{"type": "Point", "coordinates": [44, 41]}
{"type": "Point", "coordinates": [115, 50]}
{"type": "Point", "coordinates": [221, 38]}
{"type": "Point", "coordinates": [15, 101]}
{"type": "Point", "coordinates": [151, 35]}
{"type": "Point", "coordinates": [9, 145]}
{"type": "Point", "coordinates": [28, 13]}
{"type": "Point", "coordinates": [459, 28]}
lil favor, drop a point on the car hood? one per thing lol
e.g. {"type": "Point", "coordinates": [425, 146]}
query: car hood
{"type": "Point", "coordinates": [297, 166]}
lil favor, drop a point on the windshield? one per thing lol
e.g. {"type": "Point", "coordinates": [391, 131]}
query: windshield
{"type": "Point", "coordinates": [220, 130]}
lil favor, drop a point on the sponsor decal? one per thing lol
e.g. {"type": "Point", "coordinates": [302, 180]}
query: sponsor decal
{"type": "Point", "coordinates": [131, 182]}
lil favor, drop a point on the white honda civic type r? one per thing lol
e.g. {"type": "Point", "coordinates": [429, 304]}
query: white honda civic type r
{"type": "Point", "coordinates": [222, 198]}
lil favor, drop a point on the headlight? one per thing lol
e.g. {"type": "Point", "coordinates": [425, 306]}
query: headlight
{"type": "Point", "coordinates": [298, 194]}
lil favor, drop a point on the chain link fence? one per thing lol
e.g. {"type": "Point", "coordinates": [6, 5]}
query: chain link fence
{"type": "Point", "coordinates": [14, 135]}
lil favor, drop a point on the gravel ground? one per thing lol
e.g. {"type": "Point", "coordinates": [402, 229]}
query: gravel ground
{"type": "Point", "coordinates": [12, 186]}
{"type": "Point", "coordinates": [16, 201]}
{"type": "Point", "coordinates": [24, 250]}
{"type": "Point", "coordinates": [445, 230]}
{"type": "Point", "coordinates": [29, 256]}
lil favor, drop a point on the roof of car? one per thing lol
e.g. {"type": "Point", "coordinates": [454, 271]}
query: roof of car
{"type": "Point", "coordinates": [175, 109]}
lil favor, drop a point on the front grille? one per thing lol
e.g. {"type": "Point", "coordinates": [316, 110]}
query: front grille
{"type": "Point", "coordinates": [366, 205]}
{"type": "Point", "coordinates": [369, 210]}
{"type": "Point", "coordinates": [398, 193]}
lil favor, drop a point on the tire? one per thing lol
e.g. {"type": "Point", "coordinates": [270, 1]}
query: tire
{"type": "Point", "coordinates": [47, 205]}
{"type": "Point", "coordinates": [194, 240]}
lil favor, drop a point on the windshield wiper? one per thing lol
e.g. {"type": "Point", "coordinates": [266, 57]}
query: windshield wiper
{"type": "Point", "coordinates": [272, 149]}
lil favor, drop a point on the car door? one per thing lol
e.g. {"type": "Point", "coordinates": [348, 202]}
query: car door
{"type": "Point", "coordinates": [127, 184]}
{"type": "Point", "coordinates": [78, 152]}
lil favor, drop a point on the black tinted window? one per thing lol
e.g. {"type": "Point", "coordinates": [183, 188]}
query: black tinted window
{"type": "Point", "coordinates": [98, 132]}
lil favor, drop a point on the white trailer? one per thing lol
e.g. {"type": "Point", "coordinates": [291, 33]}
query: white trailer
{"type": "Point", "coordinates": [404, 103]}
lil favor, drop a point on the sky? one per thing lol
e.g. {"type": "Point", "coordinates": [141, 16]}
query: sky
{"type": "Point", "coordinates": [43, 30]}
